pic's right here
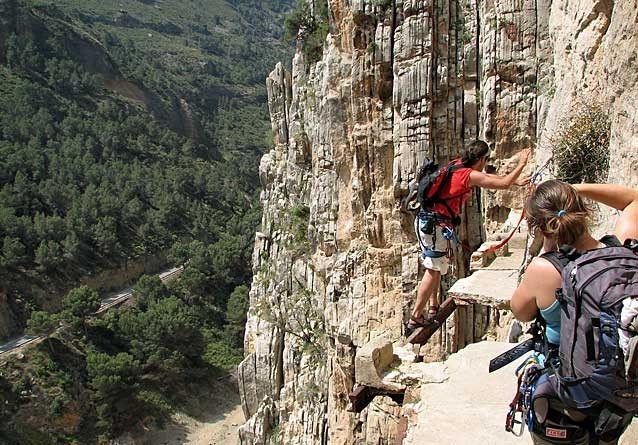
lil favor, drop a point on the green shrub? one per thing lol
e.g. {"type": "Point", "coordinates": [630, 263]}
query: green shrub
{"type": "Point", "coordinates": [58, 404]}
{"type": "Point", "coordinates": [581, 149]}
{"type": "Point", "coordinates": [155, 399]}
{"type": "Point", "coordinates": [220, 355]}
{"type": "Point", "coordinates": [309, 27]}
{"type": "Point", "coordinates": [299, 219]}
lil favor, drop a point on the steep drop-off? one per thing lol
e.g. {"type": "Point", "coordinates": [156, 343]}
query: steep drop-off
{"type": "Point", "coordinates": [336, 260]}
{"type": "Point", "coordinates": [125, 130]}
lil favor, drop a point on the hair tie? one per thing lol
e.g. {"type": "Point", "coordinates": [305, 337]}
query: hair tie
{"type": "Point", "coordinates": [561, 213]}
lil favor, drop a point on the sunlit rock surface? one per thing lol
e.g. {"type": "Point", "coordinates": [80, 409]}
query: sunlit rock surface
{"type": "Point", "coordinates": [336, 261]}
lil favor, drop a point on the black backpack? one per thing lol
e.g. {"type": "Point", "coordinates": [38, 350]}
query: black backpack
{"type": "Point", "coordinates": [430, 180]}
{"type": "Point", "coordinates": [590, 367]}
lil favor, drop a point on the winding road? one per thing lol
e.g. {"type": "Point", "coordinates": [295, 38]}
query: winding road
{"type": "Point", "coordinates": [111, 300]}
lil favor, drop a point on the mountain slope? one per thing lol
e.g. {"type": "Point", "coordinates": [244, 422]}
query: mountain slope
{"type": "Point", "coordinates": [128, 129]}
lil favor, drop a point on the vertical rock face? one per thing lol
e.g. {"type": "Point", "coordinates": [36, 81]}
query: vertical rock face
{"type": "Point", "coordinates": [336, 261]}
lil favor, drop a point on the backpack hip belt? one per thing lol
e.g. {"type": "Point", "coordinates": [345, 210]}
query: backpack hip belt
{"type": "Point", "coordinates": [438, 218]}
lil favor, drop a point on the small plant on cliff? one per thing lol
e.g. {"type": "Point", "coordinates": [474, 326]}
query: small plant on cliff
{"type": "Point", "coordinates": [467, 36]}
{"type": "Point", "coordinates": [581, 148]}
{"type": "Point", "coordinates": [275, 435]}
{"type": "Point", "coordinates": [381, 3]}
{"type": "Point", "coordinates": [297, 314]}
{"type": "Point", "coordinates": [309, 25]}
{"type": "Point", "coordinates": [547, 87]}
{"type": "Point", "coordinates": [299, 219]}
{"type": "Point", "coordinates": [479, 99]}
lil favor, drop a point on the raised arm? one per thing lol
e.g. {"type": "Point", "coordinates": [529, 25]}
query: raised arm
{"type": "Point", "coordinates": [495, 182]}
{"type": "Point", "coordinates": [619, 197]}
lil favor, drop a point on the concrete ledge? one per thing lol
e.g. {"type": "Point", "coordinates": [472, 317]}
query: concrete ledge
{"type": "Point", "coordinates": [493, 285]}
{"type": "Point", "coordinates": [484, 256]}
{"type": "Point", "coordinates": [372, 362]}
{"type": "Point", "coordinates": [492, 288]}
{"type": "Point", "coordinates": [467, 405]}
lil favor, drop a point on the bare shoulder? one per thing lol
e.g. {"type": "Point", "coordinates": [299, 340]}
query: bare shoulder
{"type": "Point", "coordinates": [476, 175]}
{"type": "Point", "coordinates": [543, 273]}
{"type": "Point", "coordinates": [536, 290]}
{"type": "Point", "coordinates": [540, 264]}
{"type": "Point", "coordinates": [480, 179]}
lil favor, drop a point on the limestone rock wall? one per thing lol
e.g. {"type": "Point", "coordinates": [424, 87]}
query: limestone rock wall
{"type": "Point", "coordinates": [336, 260]}
{"type": "Point", "coordinates": [594, 60]}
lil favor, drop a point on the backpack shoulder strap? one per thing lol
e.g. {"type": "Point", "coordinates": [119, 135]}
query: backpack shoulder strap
{"type": "Point", "coordinates": [558, 259]}
{"type": "Point", "coordinates": [447, 174]}
{"type": "Point", "coordinates": [611, 241]}
{"type": "Point", "coordinates": [451, 168]}
{"type": "Point", "coordinates": [449, 171]}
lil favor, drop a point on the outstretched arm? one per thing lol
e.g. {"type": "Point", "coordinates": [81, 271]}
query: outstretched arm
{"type": "Point", "coordinates": [619, 197]}
{"type": "Point", "coordinates": [495, 182]}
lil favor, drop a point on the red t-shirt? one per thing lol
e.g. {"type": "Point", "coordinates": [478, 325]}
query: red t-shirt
{"type": "Point", "coordinates": [456, 191]}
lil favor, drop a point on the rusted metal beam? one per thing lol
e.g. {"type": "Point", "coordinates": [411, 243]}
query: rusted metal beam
{"type": "Point", "coordinates": [421, 335]}
{"type": "Point", "coordinates": [359, 398]}
{"type": "Point", "coordinates": [402, 430]}
{"type": "Point", "coordinates": [362, 395]}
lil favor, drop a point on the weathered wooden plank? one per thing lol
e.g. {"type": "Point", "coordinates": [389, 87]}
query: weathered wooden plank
{"type": "Point", "coordinates": [359, 398]}
{"type": "Point", "coordinates": [421, 335]}
{"type": "Point", "coordinates": [402, 430]}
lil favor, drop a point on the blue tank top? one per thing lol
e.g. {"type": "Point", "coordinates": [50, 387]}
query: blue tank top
{"type": "Point", "coordinates": [552, 320]}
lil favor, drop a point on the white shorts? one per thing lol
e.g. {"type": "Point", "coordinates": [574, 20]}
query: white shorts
{"type": "Point", "coordinates": [433, 247]}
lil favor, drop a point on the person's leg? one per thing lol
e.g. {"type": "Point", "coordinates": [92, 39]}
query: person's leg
{"type": "Point", "coordinates": [435, 265]}
{"type": "Point", "coordinates": [427, 292]}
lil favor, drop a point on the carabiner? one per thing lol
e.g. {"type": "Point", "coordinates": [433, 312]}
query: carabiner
{"type": "Point", "coordinates": [519, 422]}
{"type": "Point", "coordinates": [448, 233]}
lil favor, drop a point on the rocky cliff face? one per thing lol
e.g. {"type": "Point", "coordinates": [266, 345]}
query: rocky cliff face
{"type": "Point", "coordinates": [336, 260]}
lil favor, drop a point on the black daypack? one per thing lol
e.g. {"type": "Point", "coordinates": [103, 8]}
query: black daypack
{"type": "Point", "coordinates": [430, 180]}
{"type": "Point", "coordinates": [551, 422]}
{"type": "Point", "coordinates": [590, 367]}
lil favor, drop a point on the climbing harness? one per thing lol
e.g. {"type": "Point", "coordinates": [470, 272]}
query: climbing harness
{"type": "Point", "coordinates": [449, 235]}
{"type": "Point", "coordinates": [521, 413]}
{"type": "Point", "coordinates": [515, 407]}
{"type": "Point", "coordinates": [427, 222]}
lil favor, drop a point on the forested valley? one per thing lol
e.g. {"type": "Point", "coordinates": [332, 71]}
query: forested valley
{"type": "Point", "coordinates": [130, 133]}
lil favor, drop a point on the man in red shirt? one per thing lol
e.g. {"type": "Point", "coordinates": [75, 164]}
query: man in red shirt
{"type": "Point", "coordinates": [434, 226]}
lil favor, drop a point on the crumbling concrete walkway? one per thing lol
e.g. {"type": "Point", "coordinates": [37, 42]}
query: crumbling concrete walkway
{"type": "Point", "coordinates": [494, 279]}
{"type": "Point", "coordinates": [463, 404]}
